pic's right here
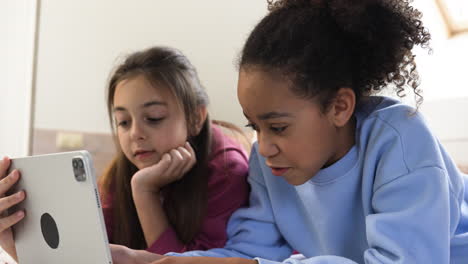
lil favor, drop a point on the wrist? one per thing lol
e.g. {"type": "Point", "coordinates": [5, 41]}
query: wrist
{"type": "Point", "coordinates": [142, 199]}
{"type": "Point", "coordinates": [140, 186]}
{"type": "Point", "coordinates": [144, 193]}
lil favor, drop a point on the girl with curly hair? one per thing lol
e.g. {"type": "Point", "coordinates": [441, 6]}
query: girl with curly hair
{"type": "Point", "coordinates": [339, 174]}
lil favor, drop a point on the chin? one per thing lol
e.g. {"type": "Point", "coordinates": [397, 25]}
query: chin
{"type": "Point", "coordinates": [141, 165]}
{"type": "Point", "coordinates": [296, 180]}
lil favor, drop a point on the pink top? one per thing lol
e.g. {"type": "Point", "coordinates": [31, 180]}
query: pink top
{"type": "Point", "coordinates": [227, 191]}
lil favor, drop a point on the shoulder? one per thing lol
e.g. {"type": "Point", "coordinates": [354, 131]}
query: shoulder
{"type": "Point", "coordinates": [228, 163]}
{"type": "Point", "coordinates": [397, 134]}
{"type": "Point", "coordinates": [401, 118]}
{"type": "Point", "coordinates": [228, 169]}
{"type": "Point", "coordinates": [225, 148]}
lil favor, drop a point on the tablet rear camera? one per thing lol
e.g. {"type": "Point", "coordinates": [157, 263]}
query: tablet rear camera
{"type": "Point", "coordinates": [78, 169]}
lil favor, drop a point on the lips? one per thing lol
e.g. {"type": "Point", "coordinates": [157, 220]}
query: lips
{"type": "Point", "coordinates": [277, 171]}
{"type": "Point", "coordinates": [143, 153]}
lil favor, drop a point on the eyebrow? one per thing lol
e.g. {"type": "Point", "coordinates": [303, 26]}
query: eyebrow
{"type": "Point", "coordinates": [145, 105]}
{"type": "Point", "coordinates": [271, 115]}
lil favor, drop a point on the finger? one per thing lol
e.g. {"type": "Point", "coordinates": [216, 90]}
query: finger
{"type": "Point", "coordinates": [189, 159]}
{"type": "Point", "coordinates": [11, 200]}
{"type": "Point", "coordinates": [158, 168]}
{"type": "Point", "coordinates": [193, 154]}
{"type": "Point", "coordinates": [164, 163]}
{"type": "Point", "coordinates": [8, 181]}
{"type": "Point", "coordinates": [176, 164]}
{"type": "Point", "coordinates": [9, 221]}
{"type": "Point", "coordinates": [186, 155]}
{"type": "Point", "coordinates": [4, 165]}
{"type": "Point", "coordinates": [190, 149]}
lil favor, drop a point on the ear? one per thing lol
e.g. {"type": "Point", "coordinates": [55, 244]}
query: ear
{"type": "Point", "coordinates": [342, 108]}
{"type": "Point", "coordinates": [202, 114]}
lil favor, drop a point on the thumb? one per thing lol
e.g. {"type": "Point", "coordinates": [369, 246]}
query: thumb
{"type": "Point", "coordinates": [157, 168]}
{"type": "Point", "coordinates": [162, 165]}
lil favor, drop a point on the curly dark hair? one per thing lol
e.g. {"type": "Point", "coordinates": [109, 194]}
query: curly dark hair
{"type": "Point", "coordinates": [323, 45]}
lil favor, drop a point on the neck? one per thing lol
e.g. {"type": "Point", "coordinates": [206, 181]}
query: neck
{"type": "Point", "coordinates": [347, 136]}
{"type": "Point", "coordinates": [345, 140]}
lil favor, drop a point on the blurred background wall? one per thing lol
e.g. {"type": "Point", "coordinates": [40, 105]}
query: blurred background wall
{"type": "Point", "coordinates": [79, 42]}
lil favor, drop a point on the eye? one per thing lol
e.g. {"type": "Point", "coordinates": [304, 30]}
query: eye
{"type": "Point", "coordinates": [278, 129]}
{"type": "Point", "coordinates": [252, 126]}
{"type": "Point", "coordinates": [123, 123]}
{"type": "Point", "coordinates": [154, 120]}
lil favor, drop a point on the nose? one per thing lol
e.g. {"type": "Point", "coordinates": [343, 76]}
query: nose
{"type": "Point", "coordinates": [137, 131]}
{"type": "Point", "coordinates": [266, 147]}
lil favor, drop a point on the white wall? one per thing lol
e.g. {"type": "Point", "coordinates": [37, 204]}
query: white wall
{"type": "Point", "coordinates": [443, 79]}
{"type": "Point", "coordinates": [443, 72]}
{"type": "Point", "coordinates": [17, 30]}
{"type": "Point", "coordinates": [80, 40]}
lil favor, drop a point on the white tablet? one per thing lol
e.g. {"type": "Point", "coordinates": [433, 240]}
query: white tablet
{"type": "Point", "coordinates": [64, 221]}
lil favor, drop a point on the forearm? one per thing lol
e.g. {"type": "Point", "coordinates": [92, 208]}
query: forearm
{"type": "Point", "coordinates": [124, 255]}
{"type": "Point", "coordinates": [150, 212]}
{"type": "Point", "coordinates": [204, 260]}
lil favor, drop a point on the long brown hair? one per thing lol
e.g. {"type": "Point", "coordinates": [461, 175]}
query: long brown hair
{"type": "Point", "coordinates": [184, 200]}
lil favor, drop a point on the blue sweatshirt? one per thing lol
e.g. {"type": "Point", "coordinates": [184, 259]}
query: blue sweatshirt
{"type": "Point", "coordinates": [395, 197]}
